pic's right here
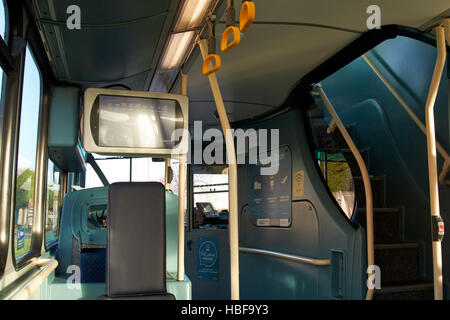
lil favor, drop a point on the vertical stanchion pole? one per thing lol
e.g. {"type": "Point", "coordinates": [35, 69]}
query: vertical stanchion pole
{"type": "Point", "coordinates": [181, 198]}
{"type": "Point", "coordinates": [432, 165]}
{"type": "Point", "coordinates": [232, 178]}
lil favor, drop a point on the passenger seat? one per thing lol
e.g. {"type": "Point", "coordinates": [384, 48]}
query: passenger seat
{"type": "Point", "coordinates": [136, 245]}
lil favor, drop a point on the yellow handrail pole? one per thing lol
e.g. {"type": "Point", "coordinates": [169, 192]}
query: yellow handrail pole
{"type": "Point", "coordinates": [366, 181]}
{"type": "Point", "coordinates": [232, 178]}
{"type": "Point", "coordinates": [408, 109]}
{"type": "Point", "coordinates": [431, 149]}
{"type": "Point", "coordinates": [181, 199]}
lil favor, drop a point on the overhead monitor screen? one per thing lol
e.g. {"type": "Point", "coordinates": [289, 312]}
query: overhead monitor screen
{"type": "Point", "coordinates": [127, 122]}
{"type": "Point", "coordinates": [135, 122]}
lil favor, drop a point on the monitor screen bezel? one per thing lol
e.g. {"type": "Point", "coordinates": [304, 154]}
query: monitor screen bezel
{"type": "Point", "coordinates": [88, 130]}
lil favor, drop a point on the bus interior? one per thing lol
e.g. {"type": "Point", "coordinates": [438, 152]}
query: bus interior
{"type": "Point", "coordinates": [310, 160]}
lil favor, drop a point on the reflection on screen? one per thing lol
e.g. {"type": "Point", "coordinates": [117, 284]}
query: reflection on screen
{"type": "Point", "coordinates": [136, 122]}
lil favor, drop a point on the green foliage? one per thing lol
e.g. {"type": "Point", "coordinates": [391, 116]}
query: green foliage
{"type": "Point", "coordinates": [23, 193]}
{"type": "Point", "coordinates": [339, 176]}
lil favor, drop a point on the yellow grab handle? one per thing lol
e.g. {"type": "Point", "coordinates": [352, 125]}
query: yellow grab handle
{"type": "Point", "coordinates": [247, 15]}
{"type": "Point", "coordinates": [224, 46]}
{"type": "Point", "coordinates": [206, 70]}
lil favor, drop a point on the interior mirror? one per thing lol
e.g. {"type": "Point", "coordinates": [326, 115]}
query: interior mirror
{"type": "Point", "coordinates": [134, 122]}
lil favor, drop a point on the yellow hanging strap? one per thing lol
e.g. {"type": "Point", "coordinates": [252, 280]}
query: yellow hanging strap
{"type": "Point", "coordinates": [230, 30]}
{"type": "Point", "coordinates": [247, 15]}
{"type": "Point", "coordinates": [208, 65]}
{"type": "Point", "coordinates": [207, 70]}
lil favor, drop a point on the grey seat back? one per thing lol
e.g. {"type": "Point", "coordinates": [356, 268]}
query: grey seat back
{"type": "Point", "coordinates": [136, 246]}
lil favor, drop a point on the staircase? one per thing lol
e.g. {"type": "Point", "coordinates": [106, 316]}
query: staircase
{"type": "Point", "coordinates": [398, 260]}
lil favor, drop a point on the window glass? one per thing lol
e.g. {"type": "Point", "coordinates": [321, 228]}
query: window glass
{"type": "Point", "coordinates": [53, 203]}
{"type": "Point", "coordinates": [142, 169]}
{"type": "Point", "coordinates": [334, 158]}
{"type": "Point", "coordinates": [338, 176]}
{"type": "Point", "coordinates": [2, 19]}
{"type": "Point", "coordinates": [92, 180]}
{"type": "Point", "coordinates": [210, 197]}
{"type": "Point", "coordinates": [174, 164]}
{"type": "Point", "coordinates": [2, 32]}
{"type": "Point", "coordinates": [115, 169]}
{"type": "Point", "coordinates": [28, 133]}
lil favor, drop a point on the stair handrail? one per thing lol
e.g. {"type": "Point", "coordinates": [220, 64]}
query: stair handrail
{"type": "Point", "coordinates": [413, 116]}
{"type": "Point", "coordinates": [367, 186]}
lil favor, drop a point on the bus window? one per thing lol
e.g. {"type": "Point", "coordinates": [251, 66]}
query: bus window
{"type": "Point", "coordinates": [338, 176]}
{"type": "Point", "coordinates": [144, 169]}
{"type": "Point", "coordinates": [117, 169]}
{"type": "Point", "coordinates": [2, 33]}
{"type": "Point", "coordinates": [2, 20]}
{"type": "Point", "coordinates": [28, 133]}
{"type": "Point", "coordinates": [53, 205]}
{"type": "Point", "coordinates": [210, 185]}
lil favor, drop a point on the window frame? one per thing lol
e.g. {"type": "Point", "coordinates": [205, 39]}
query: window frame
{"type": "Point", "coordinates": [35, 246]}
{"type": "Point", "coordinates": [7, 66]}
{"type": "Point", "coordinates": [51, 244]}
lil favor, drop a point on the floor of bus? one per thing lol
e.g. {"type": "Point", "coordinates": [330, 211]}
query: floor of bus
{"type": "Point", "coordinates": [58, 288]}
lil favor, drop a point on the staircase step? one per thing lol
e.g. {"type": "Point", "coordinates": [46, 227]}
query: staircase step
{"type": "Point", "coordinates": [414, 291]}
{"type": "Point", "coordinates": [387, 224]}
{"type": "Point", "coordinates": [398, 262]}
{"type": "Point", "coordinates": [378, 191]}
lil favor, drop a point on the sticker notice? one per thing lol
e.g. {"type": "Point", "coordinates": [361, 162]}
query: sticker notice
{"type": "Point", "coordinates": [208, 259]}
{"type": "Point", "coordinates": [299, 183]}
{"type": "Point", "coordinates": [20, 237]}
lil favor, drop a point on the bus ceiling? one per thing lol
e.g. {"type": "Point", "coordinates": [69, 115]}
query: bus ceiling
{"type": "Point", "coordinates": [144, 45]}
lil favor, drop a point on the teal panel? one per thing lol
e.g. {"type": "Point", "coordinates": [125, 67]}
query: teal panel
{"type": "Point", "coordinates": [64, 117]}
{"type": "Point", "coordinates": [318, 228]}
{"type": "Point", "coordinates": [171, 232]}
{"type": "Point", "coordinates": [63, 147]}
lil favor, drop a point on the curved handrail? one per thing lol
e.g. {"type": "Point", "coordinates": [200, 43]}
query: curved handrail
{"type": "Point", "coordinates": [412, 115]}
{"type": "Point", "coordinates": [366, 180]}
{"type": "Point", "coordinates": [431, 152]}
{"type": "Point", "coordinates": [307, 260]}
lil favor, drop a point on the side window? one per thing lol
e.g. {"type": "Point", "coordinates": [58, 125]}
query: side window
{"type": "Point", "coordinates": [28, 134]}
{"type": "Point", "coordinates": [2, 20]}
{"type": "Point", "coordinates": [145, 169]}
{"type": "Point", "coordinates": [53, 204]}
{"type": "Point", "coordinates": [116, 169]}
{"type": "Point", "coordinates": [2, 75]}
{"type": "Point", "coordinates": [210, 184]}
{"type": "Point", "coordinates": [140, 169]}
{"type": "Point", "coordinates": [338, 176]}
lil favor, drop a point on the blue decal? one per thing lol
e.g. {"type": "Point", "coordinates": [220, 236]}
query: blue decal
{"type": "Point", "coordinates": [20, 237]}
{"type": "Point", "coordinates": [208, 259]}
